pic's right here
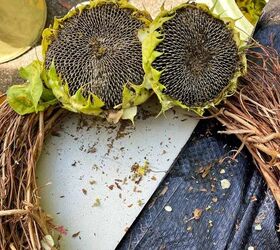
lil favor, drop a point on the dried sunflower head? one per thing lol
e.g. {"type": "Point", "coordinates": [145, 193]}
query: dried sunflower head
{"type": "Point", "coordinates": [96, 52]}
{"type": "Point", "coordinates": [192, 57]}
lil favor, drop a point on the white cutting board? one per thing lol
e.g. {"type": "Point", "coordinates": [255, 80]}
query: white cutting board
{"type": "Point", "coordinates": [94, 162]}
{"type": "Point", "coordinates": [85, 163]}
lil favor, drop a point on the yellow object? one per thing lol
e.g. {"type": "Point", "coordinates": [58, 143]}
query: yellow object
{"type": "Point", "coordinates": [251, 9]}
{"type": "Point", "coordinates": [21, 24]}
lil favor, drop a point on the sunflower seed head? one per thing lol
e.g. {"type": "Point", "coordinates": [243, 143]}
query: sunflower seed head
{"type": "Point", "coordinates": [98, 49]}
{"type": "Point", "coordinates": [199, 56]}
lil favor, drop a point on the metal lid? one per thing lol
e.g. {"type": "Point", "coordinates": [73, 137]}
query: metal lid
{"type": "Point", "coordinates": [21, 25]}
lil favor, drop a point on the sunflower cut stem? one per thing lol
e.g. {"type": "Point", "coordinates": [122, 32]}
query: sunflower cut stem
{"type": "Point", "coordinates": [253, 113]}
{"type": "Point", "coordinates": [23, 224]}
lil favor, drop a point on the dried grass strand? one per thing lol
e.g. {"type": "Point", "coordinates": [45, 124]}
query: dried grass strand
{"type": "Point", "coordinates": [23, 224]}
{"type": "Point", "coordinates": [253, 113]}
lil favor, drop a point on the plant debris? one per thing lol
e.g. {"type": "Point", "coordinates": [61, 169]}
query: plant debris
{"type": "Point", "coordinates": [222, 171]}
{"type": "Point", "coordinates": [258, 227]}
{"type": "Point", "coordinates": [168, 208]}
{"type": "Point", "coordinates": [61, 230]}
{"type": "Point", "coordinates": [253, 115]}
{"type": "Point", "coordinates": [197, 213]}
{"type": "Point", "coordinates": [215, 199]}
{"type": "Point", "coordinates": [76, 234]}
{"type": "Point", "coordinates": [23, 223]}
{"type": "Point", "coordinates": [47, 242]}
{"type": "Point", "coordinates": [140, 203]}
{"type": "Point", "coordinates": [92, 182]}
{"type": "Point", "coordinates": [97, 203]}
{"type": "Point", "coordinates": [204, 171]}
{"type": "Point", "coordinates": [225, 183]}
{"type": "Point", "coordinates": [139, 171]}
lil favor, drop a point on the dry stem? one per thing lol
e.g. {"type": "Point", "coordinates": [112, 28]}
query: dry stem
{"type": "Point", "coordinates": [253, 113]}
{"type": "Point", "coordinates": [22, 221]}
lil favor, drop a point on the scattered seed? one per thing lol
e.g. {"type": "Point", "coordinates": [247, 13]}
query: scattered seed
{"type": "Point", "coordinates": [258, 227]}
{"type": "Point", "coordinates": [222, 171]}
{"type": "Point", "coordinates": [225, 184]}
{"type": "Point", "coordinates": [215, 199]}
{"type": "Point", "coordinates": [75, 234]}
{"type": "Point", "coordinates": [168, 209]}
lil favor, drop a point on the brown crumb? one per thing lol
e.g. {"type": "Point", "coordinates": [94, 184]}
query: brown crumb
{"type": "Point", "coordinates": [75, 234]}
{"type": "Point", "coordinates": [55, 133]}
{"type": "Point", "coordinates": [92, 150]}
{"type": "Point", "coordinates": [84, 191]}
{"type": "Point", "coordinates": [92, 182]}
{"type": "Point", "coordinates": [118, 186]}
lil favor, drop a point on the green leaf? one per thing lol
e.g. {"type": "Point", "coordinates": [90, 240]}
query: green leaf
{"type": "Point", "coordinates": [18, 97]}
{"type": "Point", "coordinates": [47, 95]}
{"type": "Point", "coordinates": [26, 98]}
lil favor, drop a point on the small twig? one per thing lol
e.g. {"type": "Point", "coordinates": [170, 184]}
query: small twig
{"type": "Point", "coordinates": [236, 131]}
{"type": "Point", "coordinates": [13, 212]}
{"type": "Point", "coordinates": [273, 153]}
{"type": "Point", "coordinates": [242, 121]}
{"type": "Point", "coordinates": [264, 139]}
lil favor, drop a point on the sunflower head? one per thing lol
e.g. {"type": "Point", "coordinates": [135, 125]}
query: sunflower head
{"type": "Point", "coordinates": [193, 57]}
{"type": "Point", "coordinates": [95, 57]}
